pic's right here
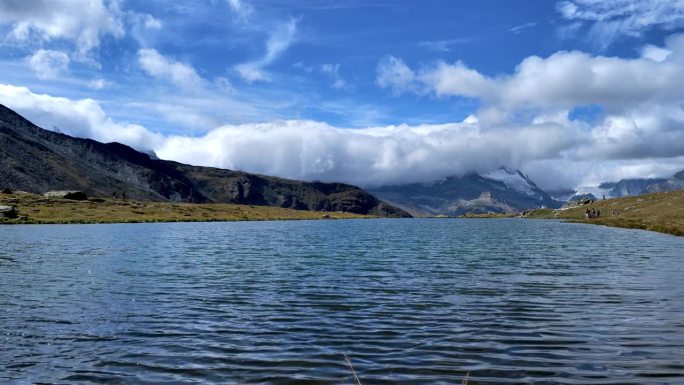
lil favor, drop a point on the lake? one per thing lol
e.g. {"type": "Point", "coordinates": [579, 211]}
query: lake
{"type": "Point", "coordinates": [420, 301]}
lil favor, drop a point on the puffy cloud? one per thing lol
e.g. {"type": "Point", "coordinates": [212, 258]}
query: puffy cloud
{"type": "Point", "coordinates": [558, 151]}
{"type": "Point", "coordinates": [82, 118]}
{"type": "Point", "coordinates": [654, 53]}
{"type": "Point", "coordinates": [82, 21]}
{"type": "Point", "coordinates": [48, 64]}
{"type": "Point", "coordinates": [611, 20]}
{"type": "Point", "coordinates": [562, 80]}
{"type": "Point", "coordinates": [641, 119]}
{"type": "Point", "coordinates": [150, 22]}
{"type": "Point", "coordinates": [279, 41]}
{"type": "Point", "coordinates": [394, 74]}
{"type": "Point", "coordinates": [458, 79]}
{"type": "Point", "coordinates": [372, 156]}
{"type": "Point", "coordinates": [180, 74]}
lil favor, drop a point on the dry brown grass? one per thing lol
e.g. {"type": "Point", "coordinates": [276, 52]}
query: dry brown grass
{"type": "Point", "coordinates": [37, 209]}
{"type": "Point", "coordinates": [663, 212]}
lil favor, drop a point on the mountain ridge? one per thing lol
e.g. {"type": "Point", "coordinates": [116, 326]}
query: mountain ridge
{"type": "Point", "coordinates": [500, 191]}
{"type": "Point", "coordinates": [38, 160]}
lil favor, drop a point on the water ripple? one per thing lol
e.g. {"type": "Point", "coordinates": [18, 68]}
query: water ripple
{"type": "Point", "coordinates": [410, 302]}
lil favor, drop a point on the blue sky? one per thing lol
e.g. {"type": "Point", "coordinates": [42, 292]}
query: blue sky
{"type": "Point", "coordinates": [367, 92]}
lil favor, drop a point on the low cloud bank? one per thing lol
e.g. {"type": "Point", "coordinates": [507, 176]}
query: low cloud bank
{"type": "Point", "coordinates": [568, 120]}
{"type": "Point", "coordinates": [558, 153]}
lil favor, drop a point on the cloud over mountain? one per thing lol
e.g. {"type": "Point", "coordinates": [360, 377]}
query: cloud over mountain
{"type": "Point", "coordinates": [223, 83]}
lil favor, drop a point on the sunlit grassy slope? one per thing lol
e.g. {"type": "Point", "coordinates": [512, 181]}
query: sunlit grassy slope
{"type": "Point", "coordinates": [37, 209]}
{"type": "Point", "coordinates": [663, 212]}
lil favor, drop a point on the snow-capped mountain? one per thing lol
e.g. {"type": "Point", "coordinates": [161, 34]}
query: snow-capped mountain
{"type": "Point", "coordinates": [516, 181]}
{"type": "Point", "coordinates": [502, 190]}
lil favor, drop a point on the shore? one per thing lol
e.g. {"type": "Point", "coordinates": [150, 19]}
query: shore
{"type": "Point", "coordinates": [662, 212]}
{"type": "Point", "coordinates": [36, 209]}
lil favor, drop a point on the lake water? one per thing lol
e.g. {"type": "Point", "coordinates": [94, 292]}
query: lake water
{"type": "Point", "coordinates": [409, 301]}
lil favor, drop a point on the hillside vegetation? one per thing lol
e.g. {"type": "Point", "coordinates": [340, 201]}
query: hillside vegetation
{"type": "Point", "coordinates": [34, 208]}
{"type": "Point", "coordinates": [663, 212]}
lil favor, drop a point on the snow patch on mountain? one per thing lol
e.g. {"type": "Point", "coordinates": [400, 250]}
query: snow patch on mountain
{"type": "Point", "coordinates": [515, 180]}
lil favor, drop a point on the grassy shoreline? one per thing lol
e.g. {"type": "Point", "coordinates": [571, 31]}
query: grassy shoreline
{"type": "Point", "coordinates": [36, 209]}
{"type": "Point", "coordinates": [662, 212]}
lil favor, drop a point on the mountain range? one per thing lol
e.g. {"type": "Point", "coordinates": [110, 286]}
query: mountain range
{"type": "Point", "coordinates": [501, 191]}
{"type": "Point", "coordinates": [37, 160]}
{"type": "Point", "coordinates": [628, 187]}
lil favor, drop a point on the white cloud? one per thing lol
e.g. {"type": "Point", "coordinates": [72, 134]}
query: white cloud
{"type": "Point", "coordinates": [47, 64]}
{"type": "Point", "coordinates": [457, 79]}
{"type": "Point", "coordinates": [252, 72]}
{"type": "Point", "coordinates": [81, 21]}
{"type": "Point", "coordinates": [611, 20]}
{"type": "Point", "coordinates": [563, 80]}
{"type": "Point", "coordinates": [240, 8]}
{"type": "Point", "coordinates": [279, 41]}
{"type": "Point", "coordinates": [333, 72]}
{"type": "Point", "coordinates": [98, 84]}
{"type": "Point", "coordinates": [552, 148]}
{"type": "Point", "coordinates": [519, 28]}
{"type": "Point", "coordinates": [372, 156]}
{"type": "Point", "coordinates": [654, 53]}
{"type": "Point", "coordinates": [180, 74]}
{"type": "Point", "coordinates": [224, 84]}
{"type": "Point", "coordinates": [150, 22]}
{"type": "Point", "coordinates": [444, 45]}
{"type": "Point", "coordinates": [394, 74]}
{"type": "Point", "coordinates": [82, 118]}
{"type": "Point", "coordinates": [641, 100]}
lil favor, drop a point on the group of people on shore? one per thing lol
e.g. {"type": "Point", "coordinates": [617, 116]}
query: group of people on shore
{"type": "Point", "coordinates": [593, 213]}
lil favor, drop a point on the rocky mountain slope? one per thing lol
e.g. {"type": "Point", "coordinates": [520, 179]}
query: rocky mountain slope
{"type": "Point", "coordinates": [37, 160]}
{"type": "Point", "coordinates": [501, 191]}
{"type": "Point", "coordinates": [630, 187]}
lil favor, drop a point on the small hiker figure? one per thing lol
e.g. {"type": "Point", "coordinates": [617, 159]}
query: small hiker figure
{"type": "Point", "coordinates": [598, 213]}
{"type": "Point", "coordinates": [587, 214]}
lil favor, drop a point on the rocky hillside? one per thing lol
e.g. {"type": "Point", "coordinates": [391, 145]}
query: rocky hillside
{"type": "Point", "coordinates": [38, 160]}
{"type": "Point", "coordinates": [631, 187]}
{"type": "Point", "coordinates": [501, 191]}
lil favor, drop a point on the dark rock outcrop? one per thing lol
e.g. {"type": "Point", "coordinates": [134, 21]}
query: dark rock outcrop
{"type": "Point", "coordinates": [8, 212]}
{"type": "Point", "coordinates": [242, 188]}
{"type": "Point", "coordinates": [577, 202]}
{"type": "Point", "coordinates": [37, 160]}
{"type": "Point", "coordinates": [71, 195]}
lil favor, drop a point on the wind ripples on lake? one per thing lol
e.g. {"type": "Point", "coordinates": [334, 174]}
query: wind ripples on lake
{"type": "Point", "coordinates": [409, 301]}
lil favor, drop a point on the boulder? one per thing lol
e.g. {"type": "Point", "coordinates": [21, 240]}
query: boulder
{"type": "Point", "coordinates": [577, 203]}
{"type": "Point", "coordinates": [72, 195]}
{"type": "Point", "coordinates": [8, 212]}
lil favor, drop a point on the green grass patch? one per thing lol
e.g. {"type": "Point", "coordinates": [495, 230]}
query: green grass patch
{"type": "Point", "coordinates": [662, 212]}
